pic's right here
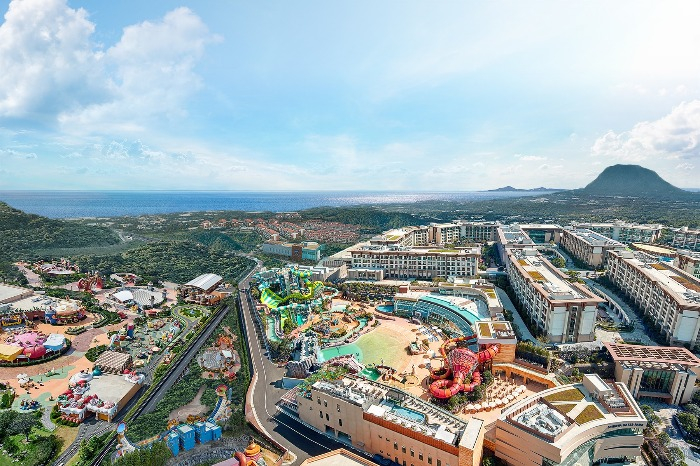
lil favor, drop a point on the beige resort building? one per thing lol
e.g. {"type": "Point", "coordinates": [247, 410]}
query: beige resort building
{"type": "Point", "coordinates": [581, 424]}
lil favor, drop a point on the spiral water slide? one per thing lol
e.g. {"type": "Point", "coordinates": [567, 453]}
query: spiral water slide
{"type": "Point", "coordinates": [461, 362]}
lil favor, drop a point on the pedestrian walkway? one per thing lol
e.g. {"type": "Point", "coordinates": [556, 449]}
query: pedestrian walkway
{"type": "Point", "coordinates": [46, 419]}
{"type": "Point", "coordinates": [517, 320]}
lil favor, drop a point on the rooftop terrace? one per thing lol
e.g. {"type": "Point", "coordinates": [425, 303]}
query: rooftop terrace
{"type": "Point", "coordinates": [564, 412]}
{"type": "Point", "coordinates": [554, 283]}
{"type": "Point", "coordinates": [685, 286]}
{"type": "Point", "coordinates": [396, 407]}
{"type": "Point", "coordinates": [594, 239]}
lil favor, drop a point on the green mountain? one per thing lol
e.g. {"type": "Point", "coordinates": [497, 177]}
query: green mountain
{"type": "Point", "coordinates": [21, 233]}
{"type": "Point", "coordinates": [633, 181]}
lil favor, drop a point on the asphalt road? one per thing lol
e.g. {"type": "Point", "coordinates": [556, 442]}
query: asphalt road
{"type": "Point", "coordinates": [296, 437]}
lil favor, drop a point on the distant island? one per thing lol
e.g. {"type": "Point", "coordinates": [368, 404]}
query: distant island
{"type": "Point", "coordinates": [511, 189]}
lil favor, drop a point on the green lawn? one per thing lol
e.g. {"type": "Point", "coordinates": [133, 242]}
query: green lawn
{"type": "Point", "coordinates": [32, 449]}
{"type": "Point", "coordinates": [381, 343]}
{"type": "Point", "coordinates": [589, 414]}
{"type": "Point", "coordinates": [572, 394]}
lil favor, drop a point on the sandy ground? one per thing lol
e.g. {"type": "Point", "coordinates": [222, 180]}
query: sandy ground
{"type": "Point", "coordinates": [389, 343]}
{"type": "Point", "coordinates": [194, 408]}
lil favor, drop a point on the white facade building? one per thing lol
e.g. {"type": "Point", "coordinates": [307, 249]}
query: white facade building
{"type": "Point", "coordinates": [564, 311]}
{"type": "Point", "coordinates": [668, 295]}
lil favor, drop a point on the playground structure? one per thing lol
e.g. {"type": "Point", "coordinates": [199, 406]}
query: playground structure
{"type": "Point", "coordinates": [29, 345]}
{"type": "Point", "coordinates": [63, 313]}
{"type": "Point", "coordinates": [461, 363]}
{"type": "Point", "coordinates": [90, 282]}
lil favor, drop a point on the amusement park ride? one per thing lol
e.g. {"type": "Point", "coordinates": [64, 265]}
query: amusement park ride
{"type": "Point", "coordinates": [462, 363]}
{"type": "Point", "coordinates": [90, 282]}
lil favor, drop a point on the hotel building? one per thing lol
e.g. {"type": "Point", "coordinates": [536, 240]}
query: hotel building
{"type": "Point", "coordinates": [656, 372]}
{"type": "Point", "coordinates": [512, 237]}
{"type": "Point", "coordinates": [588, 246]}
{"type": "Point", "coordinates": [684, 238]}
{"type": "Point", "coordinates": [666, 294]}
{"type": "Point", "coordinates": [438, 234]}
{"type": "Point", "coordinates": [625, 232]}
{"type": "Point", "coordinates": [409, 262]}
{"type": "Point", "coordinates": [564, 311]}
{"type": "Point", "coordinates": [689, 262]}
{"type": "Point", "coordinates": [542, 233]}
{"type": "Point", "coordinates": [308, 250]}
{"type": "Point", "coordinates": [461, 230]}
{"type": "Point", "coordinates": [585, 423]}
{"type": "Point", "coordinates": [387, 423]}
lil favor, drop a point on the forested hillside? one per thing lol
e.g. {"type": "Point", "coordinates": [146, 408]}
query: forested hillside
{"type": "Point", "coordinates": [20, 233]}
{"type": "Point", "coordinates": [177, 261]}
{"type": "Point", "coordinates": [372, 218]}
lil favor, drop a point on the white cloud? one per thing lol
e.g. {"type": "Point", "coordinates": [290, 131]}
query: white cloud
{"type": "Point", "coordinates": [530, 158]}
{"type": "Point", "coordinates": [153, 73]}
{"type": "Point", "coordinates": [16, 154]}
{"type": "Point", "coordinates": [53, 71]}
{"type": "Point", "coordinates": [48, 63]}
{"type": "Point", "coordinates": [676, 135]}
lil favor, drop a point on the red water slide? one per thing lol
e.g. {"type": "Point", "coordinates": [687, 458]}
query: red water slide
{"type": "Point", "coordinates": [461, 362]}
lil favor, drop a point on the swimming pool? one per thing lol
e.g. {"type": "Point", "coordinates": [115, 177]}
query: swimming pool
{"type": "Point", "coordinates": [408, 414]}
{"type": "Point", "coordinates": [300, 320]}
{"type": "Point", "coordinates": [372, 374]}
{"type": "Point", "coordinates": [388, 308]}
{"type": "Point", "coordinates": [350, 348]}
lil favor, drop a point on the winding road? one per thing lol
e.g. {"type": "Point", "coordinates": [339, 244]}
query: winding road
{"type": "Point", "coordinates": [267, 390]}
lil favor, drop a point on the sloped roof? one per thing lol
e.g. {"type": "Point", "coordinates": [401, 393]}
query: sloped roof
{"type": "Point", "coordinates": [205, 281]}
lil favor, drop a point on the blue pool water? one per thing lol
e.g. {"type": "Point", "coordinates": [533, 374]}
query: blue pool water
{"type": "Point", "coordinates": [300, 320]}
{"type": "Point", "coordinates": [372, 374]}
{"type": "Point", "coordinates": [388, 308]}
{"type": "Point", "coordinates": [350, 348]}
{"type": "Point", "coordinates": [409, 414]}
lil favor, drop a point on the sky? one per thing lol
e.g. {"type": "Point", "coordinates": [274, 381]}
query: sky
{"type": "Point", "coordinates": [347, 95]}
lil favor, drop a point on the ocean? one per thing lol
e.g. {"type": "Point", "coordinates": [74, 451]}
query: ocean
{"type": "Point", "coordinates": [79, 204]}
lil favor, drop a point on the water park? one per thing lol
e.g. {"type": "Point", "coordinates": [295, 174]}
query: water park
{"type": "Point", "coordinates": [453, 350]}
{"type": "Point", "coordinates": [290, 297]}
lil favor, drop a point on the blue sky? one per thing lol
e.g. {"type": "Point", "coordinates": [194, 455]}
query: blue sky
{"type": "Point", "coordinates": [434, 96]}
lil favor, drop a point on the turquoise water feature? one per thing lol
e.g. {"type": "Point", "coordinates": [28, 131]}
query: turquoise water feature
{"type": "Point", "coordinates": [350, 348]}
{"type": "Point", "coordinates": [388, 308]}
{"type": "Point", "coordinates": [300, 320]}
{"type": "Point", "coordinates": [405, 413]}
{"type": "Point", "coordinates": [371, 374]}
{"type": "Point", "coordinates": [271, 335]}
{"type": "Point", "coordinates": [409, 414]}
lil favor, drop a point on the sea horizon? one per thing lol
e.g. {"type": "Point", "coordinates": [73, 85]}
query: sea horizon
{"type": "Point", "coordinates": [116, 203]}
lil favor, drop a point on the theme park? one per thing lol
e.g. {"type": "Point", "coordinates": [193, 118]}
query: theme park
{"type": "Point", "coordinates": [82, 357]}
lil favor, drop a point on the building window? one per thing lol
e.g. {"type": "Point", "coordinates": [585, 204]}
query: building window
{"type": "Point", "coordinates": [412, 453]}
{"type": "Point", "coordinates": [403, 449]}
{"type": "Point", "coordinates": [325, 403]}
{"type": "Point", "coordinates": [430, 460]}
{"type": "Point", "coordinates": [420, 456]}
{"type": "Point", "coordinates": [396, 446]}
{"type": "Point", "coordinates": [338, 407]}
{"type": "Point", "coordinates": [318, 400]}
{"type": "Point", "coordinates": [379, 436]}
{"type": "Point", "coordinates": [326, 416]}
{"type": "Point", "coordinates": [439, 463]}
{"type": "Point", "coordinates": [340, 422]}
{"type": "Point", "coordinates": [320, 414]}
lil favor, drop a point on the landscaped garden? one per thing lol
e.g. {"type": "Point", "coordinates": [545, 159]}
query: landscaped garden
{"type": "Point", "coordinates": [572, 394]}
{"type": "Point", "coordinates": [24, 441]}
{"type": "Point", "coordinates": [186, 389]}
